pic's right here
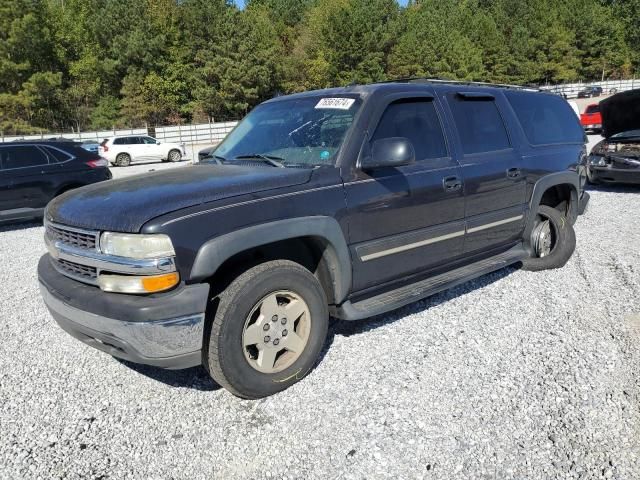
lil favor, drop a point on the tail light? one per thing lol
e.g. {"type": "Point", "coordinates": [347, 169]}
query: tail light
{"type": "Point", "coordinates": [98, 162]}
{"type": "Point", "coordinates": [105, 147]}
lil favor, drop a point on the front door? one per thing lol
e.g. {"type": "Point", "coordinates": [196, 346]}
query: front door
{"type": "Point", "coordinates": [407, 219]}
{"type": "Point", "coordinates": [491, 170]}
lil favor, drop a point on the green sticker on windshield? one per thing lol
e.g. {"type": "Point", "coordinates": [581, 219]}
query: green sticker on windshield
{"type": "Point", "coordinates": [324, 155]}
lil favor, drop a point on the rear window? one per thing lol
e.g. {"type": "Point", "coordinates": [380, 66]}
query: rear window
{"type": "Point", "coordinates": [592, 109]}
{"type": "Point", "coordinates": [545, 119]}
{"type": "Point", "coordinates": [479, 124]}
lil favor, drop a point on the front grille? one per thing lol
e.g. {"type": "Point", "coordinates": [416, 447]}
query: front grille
{"type": "Point", "coordinates": [73, 237]}
{"type": "Point", "coordinates": [77, 270]}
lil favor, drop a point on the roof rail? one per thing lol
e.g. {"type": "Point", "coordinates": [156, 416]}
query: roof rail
{"type": "Point", "coordinates": [458, 82]}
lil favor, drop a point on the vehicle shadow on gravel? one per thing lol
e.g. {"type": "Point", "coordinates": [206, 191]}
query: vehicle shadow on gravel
{"type": "Point", "coordinates": [14, 225]}
{"type": "Point", "coordinates": [196, 377]}
{"type": "Point", "coordinates": [349, 328]}
{"type": "Point", "coordinates": [613, 188]}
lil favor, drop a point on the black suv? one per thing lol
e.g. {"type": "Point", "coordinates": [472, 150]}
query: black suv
{"type": "Point", "coordinates": [32, 173]}
{"type": "Point", "coordinates": [588, 92]}
{"type": "Point", "coordinates": [347, 202]}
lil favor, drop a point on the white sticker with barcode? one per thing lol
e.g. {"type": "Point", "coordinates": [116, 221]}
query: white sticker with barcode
{"type": "Point", "coordinates": [336, 103]}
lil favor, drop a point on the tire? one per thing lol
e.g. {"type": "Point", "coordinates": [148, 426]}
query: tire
{"type": "Point", "coordinates": [174, 156]}
{"type": "Point", "coordinates": [123, 160]}
{"type": "Point", "coordinates": [563, 241]}
{"type": "Point", "coordinates": [231, 358]}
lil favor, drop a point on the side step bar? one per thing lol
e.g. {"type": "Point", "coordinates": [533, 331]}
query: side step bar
{"type": "Point", "coordinates": [402, 296]}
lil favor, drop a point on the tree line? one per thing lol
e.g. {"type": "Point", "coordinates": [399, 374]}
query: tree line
{"type": "Point", "coordinates": [95, 64]}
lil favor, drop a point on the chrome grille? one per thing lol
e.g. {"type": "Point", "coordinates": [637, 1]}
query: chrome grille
{"type": "Point", "coordinates": [76, 270]}
{"type": "Point", "coordinates": [72, 236]}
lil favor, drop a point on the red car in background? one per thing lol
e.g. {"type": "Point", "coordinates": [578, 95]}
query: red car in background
{"type": "Point", "coordinates": [591, 120]}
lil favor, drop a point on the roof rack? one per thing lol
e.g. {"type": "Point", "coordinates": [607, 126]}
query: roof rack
{"type": "Point", "coordinates": [458, 82]}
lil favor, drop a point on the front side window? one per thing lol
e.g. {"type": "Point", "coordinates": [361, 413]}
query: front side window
{"type": "Point", "coordinates": [416, 120]}
{"type": "Point", "coordinates": [307, 130]}
{"type": "Point", "coordinates": [22, 156]}
{"type": "Point", "coordinates": [149, 140]}
{"type": "Point", "coordinates": [479, 124]}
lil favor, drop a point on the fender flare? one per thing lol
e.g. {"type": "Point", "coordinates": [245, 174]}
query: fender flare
{"type": "Point", "coordinates": [559, 178]}
{"type": "Point", "coordinates": [216, 251]}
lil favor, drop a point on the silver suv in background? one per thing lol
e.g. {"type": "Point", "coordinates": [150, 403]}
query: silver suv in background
{"type": "Point", "coordinates": [123, 150]}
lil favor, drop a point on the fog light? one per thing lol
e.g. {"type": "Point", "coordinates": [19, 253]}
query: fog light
{"type": "Point", "coordinates": [138, 284]}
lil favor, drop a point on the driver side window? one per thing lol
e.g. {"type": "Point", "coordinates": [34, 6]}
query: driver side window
{"type": "Point", "coordinates": [416, 120]}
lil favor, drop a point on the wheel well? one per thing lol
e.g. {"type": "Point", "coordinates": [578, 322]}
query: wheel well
{"type": "Point", "coordinates": [313, 253]}
{"type": "Point", "coordinates": [559, 197]}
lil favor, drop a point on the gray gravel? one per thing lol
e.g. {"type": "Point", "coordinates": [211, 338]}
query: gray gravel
{"type": "Point", "coordinates": [515, 375]}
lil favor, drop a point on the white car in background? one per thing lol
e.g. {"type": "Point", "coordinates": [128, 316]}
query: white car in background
{"type": "Point", "coordinates": [124, 149]}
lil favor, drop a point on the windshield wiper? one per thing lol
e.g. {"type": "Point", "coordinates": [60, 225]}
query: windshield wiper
{"type": "Point", "coordinates": [270, 159]}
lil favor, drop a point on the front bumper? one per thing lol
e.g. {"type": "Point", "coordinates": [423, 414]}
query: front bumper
{"type": "Point", "coordinates": [164, 330]}
{"type": "Point", "coordinates": [614, 175]}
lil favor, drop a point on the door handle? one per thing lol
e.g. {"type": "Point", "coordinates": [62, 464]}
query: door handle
{"type": "Point", "coordinates": [451, 184]}
{"type": "Point", "coordinates": [513, 173]}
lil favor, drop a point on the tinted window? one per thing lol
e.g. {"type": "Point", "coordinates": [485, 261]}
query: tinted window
{"type": "Point", "coordinates": [149, 140]}
{"type": "Point", "coordinates": [418, 121]}
{"type": "Point", "coordinates": [21, 156]}
{"type": "Point", "coordinates": [57, 155]}
{"type": "Point", "coordinates": [127, 141]}
{"type": "Point", "coordinates": [592, 109]}
{"type": "Point", "coordinates": [546, 119]}
{"type": "Point", "coordinates": [479, 124]}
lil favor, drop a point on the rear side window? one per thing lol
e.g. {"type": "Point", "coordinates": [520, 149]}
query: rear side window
{"type": "Point", "coordinates": [545, 119]}
{"type": "Point", "coordinates": [127, 141]}
{"type": "Point", "coordinates": [22, 156]}
{"type": "Point", "coordinates": [57, 155]}
{"type": "Point", "coordinates": [479, 124]}
{"type": "Point", "coordinates": [417, 120]}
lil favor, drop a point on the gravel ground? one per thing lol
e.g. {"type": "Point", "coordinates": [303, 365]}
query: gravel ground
{"type": "Point", "coordinates": [514, 375]}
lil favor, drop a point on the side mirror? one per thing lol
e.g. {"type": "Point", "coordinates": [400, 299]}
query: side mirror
{"type": "Point", "coordinates": [157, 142]}
{"type": "Point", "coordinates": [390, 152]}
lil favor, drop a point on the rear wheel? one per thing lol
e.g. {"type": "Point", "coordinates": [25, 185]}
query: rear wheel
{"type": "Point", "coordinates": [123, 160]}
{"type": "Point", "coordinates": [268, 331]}
{"type": "Point", "coordinates": [553, 240]}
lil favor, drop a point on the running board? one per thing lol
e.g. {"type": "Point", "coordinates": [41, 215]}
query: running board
{"type": "Point", "coordinates": [402, 296]}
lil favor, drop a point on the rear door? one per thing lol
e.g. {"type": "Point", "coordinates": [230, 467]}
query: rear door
{"type": "Point", "coordinates": [24, 173]}
{"type": "Point", "coordinates": [495, 187]}
{"type": "Point", "coordinates": [408, 219]}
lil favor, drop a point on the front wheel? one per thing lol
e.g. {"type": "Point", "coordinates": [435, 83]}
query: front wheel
{"type": "Point", "coordinates": [174, 156]}
{"type": "Point", "coordinates": [268, 331]}
{"type": "Point", "coordinates": [553, 240]}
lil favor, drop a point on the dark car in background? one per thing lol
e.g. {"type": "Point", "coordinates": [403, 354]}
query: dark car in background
{"type": "Point", "coordinates": [205, 153]}
{"type": "Point", "coordinates": [33, 173]}
{"type": "Point", "coordinates": [616, 159]}
{"type": "Point", "coordinates": [589, 92]}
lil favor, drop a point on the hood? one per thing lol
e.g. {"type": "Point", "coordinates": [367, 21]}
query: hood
{"type": "Point", "coordinates": [620, 113]}
{"type": "Point", "coordinates": [125, 205]}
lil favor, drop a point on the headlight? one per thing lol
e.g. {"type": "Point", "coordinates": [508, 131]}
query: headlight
{"type": "Point", "coordinates": [135, 284]}
{"type": "Point", "coordinates": [136, 245]}
{"type": "Point", "coordinates": [598, 161]}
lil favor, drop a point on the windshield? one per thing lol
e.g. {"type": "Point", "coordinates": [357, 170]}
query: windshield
{"type": "Point", "coordinates": [627, 134]}
{"type": "Point", "coordinates": [307, 131]}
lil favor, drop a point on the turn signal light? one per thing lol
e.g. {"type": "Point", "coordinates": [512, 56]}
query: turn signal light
{"type": "Point", "coordinates": [138, 284]}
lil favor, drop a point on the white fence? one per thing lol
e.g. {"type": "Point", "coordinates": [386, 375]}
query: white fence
{"type": "Point", "coordinates": [608, 87]}
{"type": "Point", "coordinates": [206, 133]}
{"type": "Point", "coordinates": [212, 133]}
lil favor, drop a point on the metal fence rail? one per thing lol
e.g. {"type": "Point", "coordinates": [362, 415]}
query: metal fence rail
{"type": "Point", "coordinates": [608, 87]}
{"type": "Point", "coordinates": [198, 134]}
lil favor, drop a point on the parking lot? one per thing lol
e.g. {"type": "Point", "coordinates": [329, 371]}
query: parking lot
{"type": "Point", "coordinates": [514, 375]}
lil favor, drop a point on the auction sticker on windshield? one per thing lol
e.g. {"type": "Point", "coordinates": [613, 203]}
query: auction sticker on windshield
{"type": "Point", "coordinates": [336, 103]}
